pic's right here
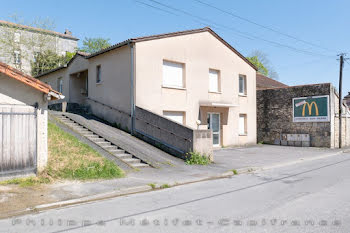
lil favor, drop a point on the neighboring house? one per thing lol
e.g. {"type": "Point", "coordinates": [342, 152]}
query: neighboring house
{"type": "Point", "coordinates": [186, 76]}
{"type": "Point", "coordinates": [263, 82]}
{"type": "Point", "coordinates": [346, 99]}
{"type": "Point", "coordinates": [19, 44]}
{"type": "Point", "coordinates": [23, 122]}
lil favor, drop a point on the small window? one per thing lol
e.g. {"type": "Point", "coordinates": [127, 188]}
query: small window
{"type": "Point", "coordinates": [242, 85]}
{"type": "Point", "coordinates": [17, 57]}
{"type": "Point", "coordinates": [173, 74]}
{"type": "Point", "coordinates": [178, 117]}
{"type": "Point", "coordinates": [60, 85]}
{"type": "Point", "coordinates": [214, 81]}
{"type": "Point", "coordinates": [17, 37]}
{"type": "Point", "coordinates": [242, 124]}
{"type": "Point", "coordinates": [98, 74]}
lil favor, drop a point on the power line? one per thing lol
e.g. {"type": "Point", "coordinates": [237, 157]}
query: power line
{"type": "Point", "coordinates": [260, 25]}
{"type": "Point", "coordinates": [241, 33]}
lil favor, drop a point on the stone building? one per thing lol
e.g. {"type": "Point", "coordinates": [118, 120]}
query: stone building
{"type": "Point", "coordinates": [304, 115]}
{"type": "Point", "coordinates": [19, 44]}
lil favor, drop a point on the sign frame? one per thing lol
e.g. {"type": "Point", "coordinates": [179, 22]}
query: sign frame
{"type": "Point", "coordinates": [311, 118]}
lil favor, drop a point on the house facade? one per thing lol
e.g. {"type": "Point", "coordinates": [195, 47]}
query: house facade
{"type": "Point", "coordinates": [19, 44]}
{"type": "Point", "coordinates": [193, 78]}
{"type": "Point", "coordinates": [23, 122]}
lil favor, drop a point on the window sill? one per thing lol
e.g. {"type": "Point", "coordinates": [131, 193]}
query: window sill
{"type": "Point", "coordinates": [177, 88]}
{"type": "Point", "coordinates": [215, 92]}
{"type": "Point", "coordinates": [242, 95]}
{"type": "Point", "coordinates": [243, 134]}
{"type": "Point", "coordinates": [99, 83]}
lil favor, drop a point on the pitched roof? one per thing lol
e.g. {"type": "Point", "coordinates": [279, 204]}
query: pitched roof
{"type": "Point", "coordinates": [29, 81]}
{"type": "Point", "coordinates": [263, 82]}
{"type": "Point", "coordinates": [172, 34]}
{"type": "Point", "coordinates": [78, 53]}
{"type": "Point", "coordinates": [29, 28]}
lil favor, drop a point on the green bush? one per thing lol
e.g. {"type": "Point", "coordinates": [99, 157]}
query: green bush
{"type": "Point", "coordinates": [195, 158]}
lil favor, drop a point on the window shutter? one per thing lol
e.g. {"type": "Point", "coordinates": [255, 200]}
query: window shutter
{"type": "Point", "coordinates": [213, 81]}
{"type": "Point", "coordinates": [172, 74]}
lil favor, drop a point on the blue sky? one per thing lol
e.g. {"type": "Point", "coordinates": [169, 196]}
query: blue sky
{"type": "Point", "coordinates": [324, 23]}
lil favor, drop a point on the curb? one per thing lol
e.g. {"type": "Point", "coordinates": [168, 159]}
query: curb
{"type": "Point", "coordinates": [157, 186]}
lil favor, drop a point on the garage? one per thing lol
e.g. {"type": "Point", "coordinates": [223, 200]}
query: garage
{"type": "Point", "coordinates": [23, 122]}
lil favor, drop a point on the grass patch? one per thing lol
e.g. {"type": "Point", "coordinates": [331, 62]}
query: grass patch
{"type": "Point", "coordinates": [164, 186]}
{"type": "Point", "coordinates": [69, 158]}
{"type": "Point", "coordinates": [235, 172]}
{"type": "Point", "coordinates": [153, 186]}
{"type": "Point", "coordinates": [195, 158]}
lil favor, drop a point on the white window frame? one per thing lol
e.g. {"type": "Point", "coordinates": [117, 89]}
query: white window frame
{"type": "Point", "coordinates": [17, 57]}
{"type": "Point", "coordinates": [244, 77]}
{"type": "Point", "coordinates": [176, 82]}
{"type": "Point", "coordinates": [245, 124]}
{"type": "Point", "coordinates": [216, 88]}
{"type": "Point", "coordinates": [17, 37]}
{"type": "Point", "coordinates": [98, 74]}
{"type": "Point", "coordinates": [173, 114]}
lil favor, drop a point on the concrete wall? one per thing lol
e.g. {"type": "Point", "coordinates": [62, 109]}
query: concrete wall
{"type": "Point", "coordinates": [275, 115]}
{"type": "Point", "coordinates": [170, 136]}
{"type": "Point", "coordinates": [199, 52]}
{"type": "Point", "coordinates": [13, 92]}
{"type": "Point", "coordinates": [31, 42]}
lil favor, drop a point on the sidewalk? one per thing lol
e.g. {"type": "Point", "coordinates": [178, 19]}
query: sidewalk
{"type": "Point", "coordinates": [15, 200]}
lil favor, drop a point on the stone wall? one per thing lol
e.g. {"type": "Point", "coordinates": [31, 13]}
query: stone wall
{"type": "Point", "coordinates": [275, 115]}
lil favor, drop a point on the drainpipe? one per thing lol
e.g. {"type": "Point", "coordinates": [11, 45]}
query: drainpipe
{"type": "Point", "coordinates": [132, 91]}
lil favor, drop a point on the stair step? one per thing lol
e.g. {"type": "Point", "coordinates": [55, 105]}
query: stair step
{"type": "Point", "coordinates": [124, 156]}
{"type": "Point", "coordinates": [97, 139]}
{"type": "Point", "coordinates": [139, 165]}
{"type": "Point", "coordinates": [110, 147]}
{"type": "Point", "coordinates": [89, 134]}
{"type": "Point", "coordinates": [103, 143]}
{"type": "Point", "coordinates": [117, 151]}
{"type": "Point", "coordinates": [132, 160]}
{"type": "Point", "coordinates": [94, 136]}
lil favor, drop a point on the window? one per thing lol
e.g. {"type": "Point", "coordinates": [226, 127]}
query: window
{"type": "Point", "coordinates": [17, 37]}
{"type": "Point", "coordinates": [242, 85]}
{"type": "Point", "coordinates": [60, 85]}
{"type": "Point", "coordinates": [242, 124]}
{"type": "Point", "coordinates": [98, 74]}
{"type": "Point", "coordinates": [214, 81]}
{"type": "Point", "coordinates": [17, 57]}
{"type": "Point", "coordinates": [173, 75]}
{"type": "Point", "coordinates": [178, 117]}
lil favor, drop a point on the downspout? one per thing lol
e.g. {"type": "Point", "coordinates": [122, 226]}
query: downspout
{"type": "Point", "coordinates": [132, 91]}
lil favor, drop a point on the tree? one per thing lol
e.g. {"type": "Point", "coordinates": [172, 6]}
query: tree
{"type": "Point", "coordinates": [261, 61]}
{"type": "Point", "coordinates": [92, 45]}
{"type": "Point", "coordinates": [48, 60]}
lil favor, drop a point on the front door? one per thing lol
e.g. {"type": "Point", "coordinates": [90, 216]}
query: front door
{"type": "Point", "coordinates": [214, 125]}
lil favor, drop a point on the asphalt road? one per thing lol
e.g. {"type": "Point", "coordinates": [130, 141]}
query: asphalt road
{"type": "Point", "coordinates": [308, 197]}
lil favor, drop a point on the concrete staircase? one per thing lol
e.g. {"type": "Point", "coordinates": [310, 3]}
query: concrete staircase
{"type": "Point", "coordinates": [106, 145]}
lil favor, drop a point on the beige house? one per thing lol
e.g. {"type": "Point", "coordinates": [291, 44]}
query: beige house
{"type": "Point", "coordinates": [23, 122]}
{"type": "Point", "coordinates": [192, 77]}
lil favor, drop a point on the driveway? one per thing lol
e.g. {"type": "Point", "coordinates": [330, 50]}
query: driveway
{"type": "Point", "coordinates": [310, 197]}
{"type": "Point", "coordinates": [266, 155]}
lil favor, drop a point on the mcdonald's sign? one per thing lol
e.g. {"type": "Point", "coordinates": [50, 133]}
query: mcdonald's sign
{"type": "Point", "coordinates": [311, 109]}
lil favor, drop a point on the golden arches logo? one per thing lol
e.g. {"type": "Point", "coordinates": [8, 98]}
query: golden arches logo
{"type": "Point", "coordinates": [309, 106]}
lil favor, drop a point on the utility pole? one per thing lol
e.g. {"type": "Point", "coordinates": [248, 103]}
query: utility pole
{"type": "Point", "coordinates": [341, 59]}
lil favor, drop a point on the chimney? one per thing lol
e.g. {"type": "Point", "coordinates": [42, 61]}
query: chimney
{"type": "Point", "coordinates": [67, 32]}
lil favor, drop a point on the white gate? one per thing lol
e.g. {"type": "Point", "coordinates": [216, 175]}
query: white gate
{"type": "Point", "coordinates": [18, 139]}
